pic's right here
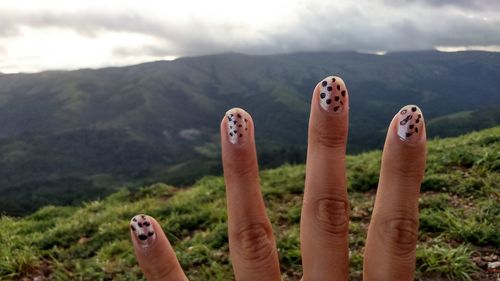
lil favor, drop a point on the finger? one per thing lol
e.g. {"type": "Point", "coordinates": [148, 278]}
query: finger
{"type": "Point", "coordinates": [251, 241]}
{"type": "Point", "coordinates": [393, 231]}
{"type": "Point", "coordinates": [153, 250]}
{"type": "Point", "coordinates": [325, 211]}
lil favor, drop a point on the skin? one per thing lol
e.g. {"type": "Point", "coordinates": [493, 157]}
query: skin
{"type": "Point", "coordinates": [392, 234]}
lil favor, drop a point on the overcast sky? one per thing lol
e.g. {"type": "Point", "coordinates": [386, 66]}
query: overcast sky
{"type": "Point", "coordinates": [37, 35]}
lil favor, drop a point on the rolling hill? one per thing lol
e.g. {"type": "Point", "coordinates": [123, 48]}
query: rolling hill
{"type": "Point", "coordinates": [459, 210]}
{"type": "Point", "coordinates": [68, 136]}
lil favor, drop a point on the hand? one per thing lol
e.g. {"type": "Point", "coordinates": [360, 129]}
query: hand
{"type": "Point", "coordinates": [392, 234]}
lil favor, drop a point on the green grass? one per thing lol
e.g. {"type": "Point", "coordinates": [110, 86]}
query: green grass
{"type": "Point", "coordinates": [459, 221]}
{"type": "Point", "coordinates": [441, 259]}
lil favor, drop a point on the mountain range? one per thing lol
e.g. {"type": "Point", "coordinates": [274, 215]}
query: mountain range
{"type": "Point", "coordinates": [68, 136]}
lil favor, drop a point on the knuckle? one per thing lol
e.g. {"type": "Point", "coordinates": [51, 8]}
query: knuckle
{"type": "Point", "coordinates": [165, 273]}
{"type": "Point", "coordinates": [159, 269]}
{"type": "Point", "coordinates": [400, 236]}
{"type": "Point", "coordinates": [409, 172]}
{"type": "Point", "coordinates": [333, 216]}
{"type": "Point", "coordinates": [241, 170]}
{"type": "Point", "coordinates": [330, 139]}
{"type": "Point", "coordinates": [254, 242]}
{"type": "Point", "coordinates": [407, 164]}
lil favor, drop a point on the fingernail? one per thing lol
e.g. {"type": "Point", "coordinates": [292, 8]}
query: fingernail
{"type": "Point", "coordinates": [410, 123]}
{"type": "Point", "coordinates": [332, 94]}
{"type": "Point", "coordinates": [143, 230]}
{"type": "Point", "coordinates": [237, 125]}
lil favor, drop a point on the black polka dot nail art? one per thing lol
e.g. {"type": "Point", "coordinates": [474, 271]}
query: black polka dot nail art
{"type": "Point", "coordinates": [143, 230]}
{"type": "Point", "coordinates": [237, 125]}
{"type": "Point", "coordinates": [410, 123]}
{"type": "Point", "coordinates": [332, 94]}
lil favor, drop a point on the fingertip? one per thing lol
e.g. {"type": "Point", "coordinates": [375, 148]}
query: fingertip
{"type": "Point", "coordinates": [329, 119]}
{"type": "Point", "coordinates": [404, 154]}
{"type": "Point", "coordinates": [153, 251]}
{"type": "Point", "coordinates": [239, 157]}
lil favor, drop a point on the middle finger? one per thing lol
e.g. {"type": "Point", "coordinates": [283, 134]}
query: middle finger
{"type": "Point", "coordinates": [325, 211]}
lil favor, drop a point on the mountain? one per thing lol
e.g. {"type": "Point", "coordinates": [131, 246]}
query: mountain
{"type": "Point", "coordinates": [458, 234]}
{"type": "Point", "coordinates": [465, 121]}
{"type": "Point", "coordinates": [68, 136]}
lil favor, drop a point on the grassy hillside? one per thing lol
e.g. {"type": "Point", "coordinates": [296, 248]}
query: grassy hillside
{"type": "Point", "coordinates": [465, 121]}
{"type": "Point", "coordinates": [85, 133]}
{"type": "Point", "coordinates": [460, 206]}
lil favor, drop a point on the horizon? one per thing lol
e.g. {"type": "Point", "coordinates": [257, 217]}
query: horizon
{"type": "Point", "coordinates": [60, 35]}
{"type": "Point", "coordinates": [382, 53]}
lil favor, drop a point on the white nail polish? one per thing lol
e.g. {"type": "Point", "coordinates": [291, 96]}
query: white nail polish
{"type": "Point", "coordinates": [237, 126]}
{"type": "Point", "coordinates": [332, 94]}
{"type": "Point", "coordinates": [143, 230]}
{"type": "Point", "coordinates": [410, 123]}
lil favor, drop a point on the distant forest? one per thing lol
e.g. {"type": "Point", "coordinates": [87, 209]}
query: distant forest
{"type": "Point", "coordinates": [72, 136]}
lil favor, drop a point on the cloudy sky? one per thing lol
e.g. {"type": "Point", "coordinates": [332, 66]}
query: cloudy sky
{"type": "Point", "coordinates": [40, 34]}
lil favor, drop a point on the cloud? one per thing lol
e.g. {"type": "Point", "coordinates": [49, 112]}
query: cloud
{"type": "Point", "coordinates": [147, 50]}
{"type": "Point", "coordinates": [264, 27]}
{"type": "Point", "coordinates": [87, 23]}
{"type": "Point", "coordinates": [463, 4]}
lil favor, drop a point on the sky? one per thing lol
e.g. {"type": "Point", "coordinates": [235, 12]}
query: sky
{"type": "Point", "coordinates": [37, 35]}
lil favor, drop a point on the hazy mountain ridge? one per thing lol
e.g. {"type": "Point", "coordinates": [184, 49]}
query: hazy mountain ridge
{"type": "Point", "coordinates": [159, 121]}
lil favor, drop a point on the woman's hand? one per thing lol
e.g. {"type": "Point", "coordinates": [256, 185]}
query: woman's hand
{"type": "Point", "coordinates": [393, 231]}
